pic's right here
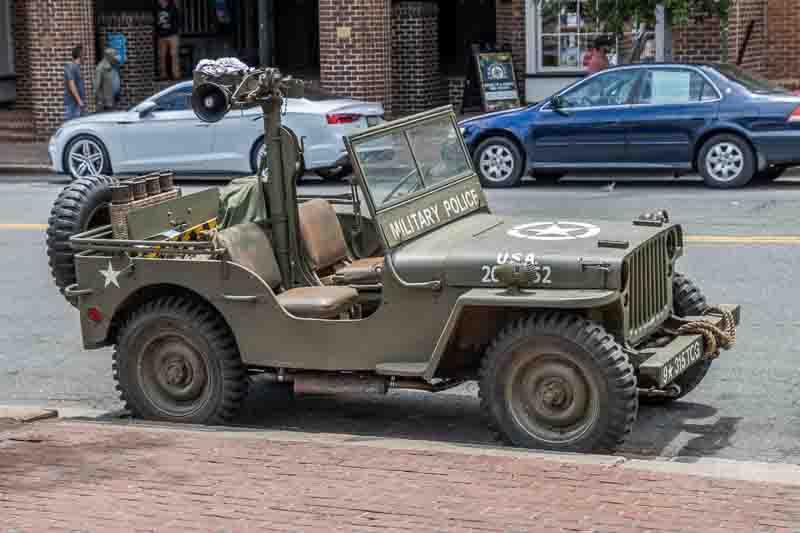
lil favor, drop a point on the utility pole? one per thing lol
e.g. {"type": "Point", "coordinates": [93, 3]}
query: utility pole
{"type": "Point", "coordinates": [266, 32]}
{"type": "Point", "coordinates": [663, 34]}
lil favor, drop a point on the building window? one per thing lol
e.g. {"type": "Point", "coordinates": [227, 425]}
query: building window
{"type": "Point", "coordinates": [565, 31]}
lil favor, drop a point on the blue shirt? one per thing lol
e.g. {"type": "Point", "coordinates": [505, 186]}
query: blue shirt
{"type": "Point", "coordinates": [72, 71]}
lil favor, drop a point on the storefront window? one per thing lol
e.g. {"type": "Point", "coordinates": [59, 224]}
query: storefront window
{"type": "Point", "coordinates": [566, 32]}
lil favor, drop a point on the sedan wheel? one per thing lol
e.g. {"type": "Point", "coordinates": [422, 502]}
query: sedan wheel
{"type": "Point", "coordinates": [499, 162]}
{"type": "Point", "coordinates": [726, 161]}
{"type": "Point", "coordinates": [86, 157]}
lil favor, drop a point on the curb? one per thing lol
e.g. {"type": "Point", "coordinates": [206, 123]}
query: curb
{"type": "Point", "coordinates": [33, 168]}
{"type": "Point", "coordinates": [715, 468]}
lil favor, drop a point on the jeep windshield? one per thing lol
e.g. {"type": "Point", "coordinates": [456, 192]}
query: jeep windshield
{"type": "Point", "coordinates": [416, 173]}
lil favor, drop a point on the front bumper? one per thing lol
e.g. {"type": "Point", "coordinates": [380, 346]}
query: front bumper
{"type": "Point", "coordinates": [666, 363]}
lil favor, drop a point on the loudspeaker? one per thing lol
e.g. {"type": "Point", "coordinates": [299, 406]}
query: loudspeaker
{"type": "Point", "coordinates": [210, 102]}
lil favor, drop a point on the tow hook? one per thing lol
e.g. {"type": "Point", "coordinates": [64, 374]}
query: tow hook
{"type": "Point", "coordinates": [672, 390]}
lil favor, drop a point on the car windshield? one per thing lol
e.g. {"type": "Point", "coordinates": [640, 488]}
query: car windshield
{"type": "Point", "coordinates": [751, 82]}
{"type": "Point", "coordinates": [408, 161]}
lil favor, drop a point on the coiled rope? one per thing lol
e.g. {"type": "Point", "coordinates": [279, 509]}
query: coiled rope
{"type": "Point", "coordinates": [716, 338]}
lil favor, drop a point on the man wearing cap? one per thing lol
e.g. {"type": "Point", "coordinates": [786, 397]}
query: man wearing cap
{"type": "Point", "coordinates": [104, 80]}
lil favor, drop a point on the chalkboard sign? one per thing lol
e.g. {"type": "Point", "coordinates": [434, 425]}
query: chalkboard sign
{"type": "Point", "coordinates": [497, 80]}
{"type": "Point", "coordinates": [491, 83]}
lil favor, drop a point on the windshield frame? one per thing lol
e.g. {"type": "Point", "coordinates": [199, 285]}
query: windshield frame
{"type": "Point", "coordinates": [467, 180]}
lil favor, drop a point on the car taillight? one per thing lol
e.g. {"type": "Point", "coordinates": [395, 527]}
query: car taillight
{"type": "Point", "coordinates": [795, 116]}
{"type": "Point", "coordinates": [342, 118]}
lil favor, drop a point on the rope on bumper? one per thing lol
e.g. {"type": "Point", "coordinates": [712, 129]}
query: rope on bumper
{"type": "Point", "coordinates": [716, 338]}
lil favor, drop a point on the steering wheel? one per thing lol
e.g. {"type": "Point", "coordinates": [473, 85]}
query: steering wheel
{"type": "Point", "coordinates": [399, 185]}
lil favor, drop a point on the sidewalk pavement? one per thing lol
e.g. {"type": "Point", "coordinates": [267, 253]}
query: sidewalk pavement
{"type": "Point", "coordinates": [72, 475]}
{"type": "Point", "coordinates": [24, 157]}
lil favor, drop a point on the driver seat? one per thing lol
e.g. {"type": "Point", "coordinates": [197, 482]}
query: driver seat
{"type": "Point", "coordinates": [249, 246]}
{"type": "Point", "coordinates": [327, 249]}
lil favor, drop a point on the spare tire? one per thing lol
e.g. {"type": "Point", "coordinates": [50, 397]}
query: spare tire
{"type": "Point", "coordinates": [81, 206]}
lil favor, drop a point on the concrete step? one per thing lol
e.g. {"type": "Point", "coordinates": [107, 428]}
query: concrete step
{"type": "Point", "coordinates": [17, 136]}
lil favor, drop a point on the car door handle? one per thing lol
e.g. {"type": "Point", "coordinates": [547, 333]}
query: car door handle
{"type": "Point", "coordinates": [240, 299]}
{"type": "Point", "coordinates": [125, 122]}
{"type": "Point", "coordinates": [202, 125]}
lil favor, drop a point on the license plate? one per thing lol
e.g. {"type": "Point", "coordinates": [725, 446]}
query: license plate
{"type": "Point", "coordinates": [682, 360]}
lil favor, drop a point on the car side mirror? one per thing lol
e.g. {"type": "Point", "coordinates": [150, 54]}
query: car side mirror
{"type": "Point", "coordinates": [559, 104]}
{"type": "Point", "coordinates": [146, 108]}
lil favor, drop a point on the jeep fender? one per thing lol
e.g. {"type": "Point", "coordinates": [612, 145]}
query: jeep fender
{"type": "Point", "coordinates": [568, 299]}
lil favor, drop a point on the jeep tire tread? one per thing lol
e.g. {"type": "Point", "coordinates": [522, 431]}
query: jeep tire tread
{"type": "Point", "coordinates": [538, 355]}
{"type": "Point", "coordinates": [81, 206]}
{"type": "Point", "coordinates": [176, 360]}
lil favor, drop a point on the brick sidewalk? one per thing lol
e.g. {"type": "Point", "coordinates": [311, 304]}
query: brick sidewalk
{"type": "Point", "coordinates": [80, 476]}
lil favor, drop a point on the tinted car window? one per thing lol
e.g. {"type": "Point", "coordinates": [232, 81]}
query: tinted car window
{"type": "Point", "coordinates": [674, 86]}
{"type": "Point", "coordinates": [749, 81]}
{"type": "Point", "coordinates": [177, 100]}
{"type": "Point", "coordinates": [610, 88]}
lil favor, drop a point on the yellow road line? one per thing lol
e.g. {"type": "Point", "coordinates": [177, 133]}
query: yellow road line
{"type": "Point", "coordinates": [24, 226]}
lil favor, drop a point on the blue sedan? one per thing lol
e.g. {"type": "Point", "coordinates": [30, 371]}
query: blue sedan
{"type": "Point", "coordinates": [716, 120]}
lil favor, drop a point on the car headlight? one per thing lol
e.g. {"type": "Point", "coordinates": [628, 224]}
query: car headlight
{"type": "Point", "coordinates": [463, 130]}
{"type": "Point", "coordinates": [58, 133]}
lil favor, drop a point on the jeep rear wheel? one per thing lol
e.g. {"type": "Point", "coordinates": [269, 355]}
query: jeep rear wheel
{"type": "Point", "coordinates": [560, 382]}
{"type": "Point", "coordinates": [176, 360]}
{"type": "Point", "coordinates": [687, 300]}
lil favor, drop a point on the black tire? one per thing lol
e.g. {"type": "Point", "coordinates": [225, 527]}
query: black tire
{"type": "Point", "coordinates": [740, 162]}
{"type": "Point", "coordinates": [770, 173]}
{"type": "Point", "coordinates": [334, 174]}
{"type": "Point", "coordinates": [548, 178]}
{"type": "Point", "coordinates": [558, 350]}
{"type": "Point", "coordinates": [497, 173]}
{"type": "Point", "coordinates": [687, 300]}
{"type": "Point", "coordinates": [176, 360]}
{"type": "Point", "coordinates": [254, 154]}
{"type": "Point", "coordinates": [81, 206]}
{"type": "Point", "coordinates": [105, 167]}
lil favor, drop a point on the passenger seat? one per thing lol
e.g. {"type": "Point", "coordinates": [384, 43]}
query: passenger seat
{"type": "Point", "coordinates": [249, 246]}
{"type": "Point", "coordinates": [327, 248]}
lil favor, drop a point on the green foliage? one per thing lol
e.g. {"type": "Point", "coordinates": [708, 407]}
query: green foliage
{"type": "Point", "coordinates": [617, 16]}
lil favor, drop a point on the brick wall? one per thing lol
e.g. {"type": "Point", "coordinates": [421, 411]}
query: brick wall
{"type": "Point", "coordinates": [136, 74]}
{"type": "Point", "coordinates": [698, 41]}
{"type": "Point", "coordinates": [783, 42]}
{"type": "Point", "coordinates": [756, 56]}
{"type": "Point", "coordinates": [416, 81]}
{"type": "Point", "coordinates": [355, 49]}
{"type": "Point", "coordinates": [45, 33]}
{"type": "Point", "coordinates": [510, 31]}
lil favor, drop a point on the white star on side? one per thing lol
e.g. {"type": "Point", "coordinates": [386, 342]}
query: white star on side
{"type": "Point", "coordinates": [111, 275]}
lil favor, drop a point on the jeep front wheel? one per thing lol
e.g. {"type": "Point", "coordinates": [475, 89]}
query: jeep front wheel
{"type": "Point", "coordinates": [176, 360]}
{"type": "Point", "coordinates": [560, 382]}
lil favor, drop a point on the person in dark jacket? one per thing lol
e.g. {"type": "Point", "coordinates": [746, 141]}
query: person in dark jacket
{"type": "Point", "coordinates": [104, 80]}
{"type": "Point", "coordinates": [167, 26]}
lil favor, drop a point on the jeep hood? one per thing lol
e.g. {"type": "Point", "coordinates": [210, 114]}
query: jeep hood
{"type": "Point", "coordinates": [570, 253]}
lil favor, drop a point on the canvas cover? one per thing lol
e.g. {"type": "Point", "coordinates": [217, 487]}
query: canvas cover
{"type": "Point", "coordinates": [242, 201]}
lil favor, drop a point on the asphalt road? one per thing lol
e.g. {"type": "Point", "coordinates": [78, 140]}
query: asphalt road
{"type": "Point", "coordinates": [747, 408]}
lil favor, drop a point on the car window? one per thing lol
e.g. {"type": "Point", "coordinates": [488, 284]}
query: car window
{"type": "Point", "coordinates": [751, 82]}
{"type": "Point", "coordinates": [606, 89]}
{"type": "Point", "coordinates": [675, 86]}
{"type": "Point", "coordinates": [178, 100]}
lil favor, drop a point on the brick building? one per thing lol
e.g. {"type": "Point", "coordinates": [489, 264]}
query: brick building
{"type": "Point", "coordinates": [409, 54]}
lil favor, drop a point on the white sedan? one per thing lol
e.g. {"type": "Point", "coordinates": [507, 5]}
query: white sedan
{"type": "Point", "coordinates": [162, 132]}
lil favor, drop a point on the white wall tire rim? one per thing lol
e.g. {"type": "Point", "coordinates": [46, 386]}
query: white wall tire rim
{"type": "Point", "coordinates": [724, 162]}
{"type": "Point", "coordinates": [497, 163]}
{"type": "Point", "coordinates": [86, 159]}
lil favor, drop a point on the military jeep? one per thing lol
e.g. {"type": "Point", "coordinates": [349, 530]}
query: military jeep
{"type": "Point", "coordinates": [409, 281]}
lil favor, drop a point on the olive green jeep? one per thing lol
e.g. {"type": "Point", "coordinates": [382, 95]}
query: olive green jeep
{"type": "Point", "coordinates": [409, 281]}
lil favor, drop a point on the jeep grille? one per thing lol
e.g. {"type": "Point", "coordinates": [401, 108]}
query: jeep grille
{"type": "Point", "coordinates": [649, 292]}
